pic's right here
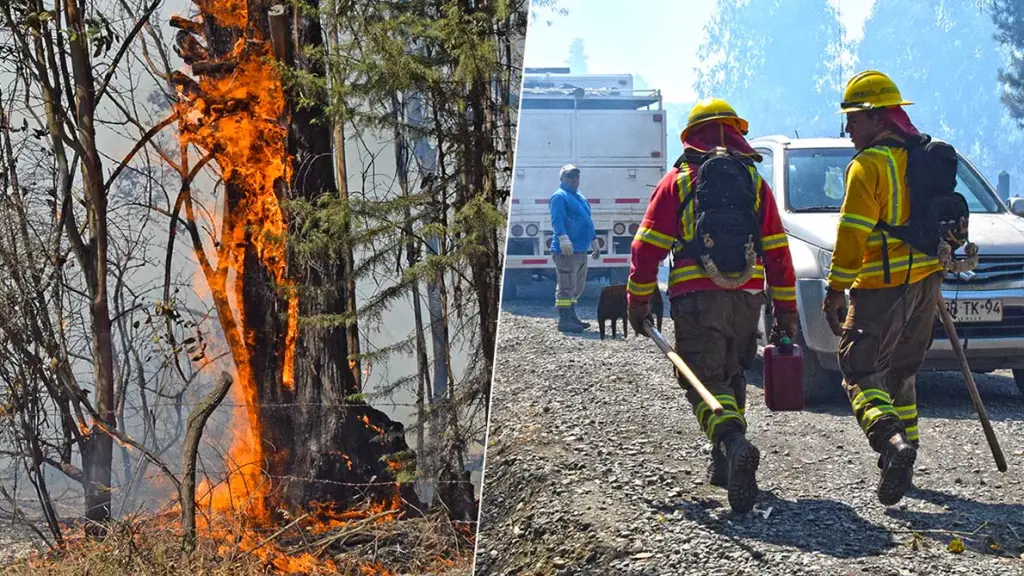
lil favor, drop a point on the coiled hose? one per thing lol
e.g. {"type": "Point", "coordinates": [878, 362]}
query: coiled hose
{"type": "Point", "coordinates": [953, 265]}
{"type": "Point", "coordinates": [729, 282]}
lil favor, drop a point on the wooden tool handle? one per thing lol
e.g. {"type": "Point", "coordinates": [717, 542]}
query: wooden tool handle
{"type": "Point", "coordinates": [972, 388]}
{"type": "Point", "coordinates": [705, 395]}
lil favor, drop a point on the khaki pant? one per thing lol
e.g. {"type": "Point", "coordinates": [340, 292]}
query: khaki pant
{"type": "Point", "coordinates": [572, 278]}
{"type": "Point", "coordinates": [716, 335]}
{"type": "Point", "coordinates": [885, 338]}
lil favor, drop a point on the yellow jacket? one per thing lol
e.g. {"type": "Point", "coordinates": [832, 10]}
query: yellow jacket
{"type": "Point", "coordinates": [875, 191]}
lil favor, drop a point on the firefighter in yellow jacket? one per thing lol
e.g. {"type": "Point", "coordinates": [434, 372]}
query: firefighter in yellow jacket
{"type": "Point", "coordinates": [893, 289]}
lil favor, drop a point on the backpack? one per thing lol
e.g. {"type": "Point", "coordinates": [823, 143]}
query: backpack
{"type": "Point", "coordinates": [937, 211]}
{"type": "Point", "coordinates": [725, 210]}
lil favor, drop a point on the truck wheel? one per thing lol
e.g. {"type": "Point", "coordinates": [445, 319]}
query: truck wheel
{"type": "Point", "coordinates": [1018, 377]}
{"type": "Point", "coordinates": [820, 383]}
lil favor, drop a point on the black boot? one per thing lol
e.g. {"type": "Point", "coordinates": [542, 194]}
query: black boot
{"type": "Point", "coordinates": [742, 458]}
{"type": "Point", "coordinates": [910, 473]}
{"type": "Point", "coordinates": [897, 461]}
{"type": "Point", "coordinates": [565, 322]}
{"type": "Point", "coordinates": [576, 319]}
{"type": "Point", "coordinates": [718, 470]}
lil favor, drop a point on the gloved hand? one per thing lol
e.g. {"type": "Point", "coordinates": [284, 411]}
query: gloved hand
{"type": "Point", "coordinates": [786, 322]}
{"type": "Point", "coordinates": [638, 312]}
{"type": "Point", "coordinates": [835, 310]}
{"type": "Point", "coordinates": [565, 245]}
{"type": "Point", "coordinates": [595, 249]}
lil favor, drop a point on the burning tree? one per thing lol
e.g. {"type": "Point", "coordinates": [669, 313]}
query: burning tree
{"type": "Point", "coordinates": [311, 441]}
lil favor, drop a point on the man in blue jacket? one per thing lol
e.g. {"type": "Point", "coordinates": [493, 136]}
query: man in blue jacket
{"type": "Point", "coordinates": [573, 235]}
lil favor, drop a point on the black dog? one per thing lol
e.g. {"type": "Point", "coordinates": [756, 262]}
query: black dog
{"type": "Point", "coordinates": [612, 306]}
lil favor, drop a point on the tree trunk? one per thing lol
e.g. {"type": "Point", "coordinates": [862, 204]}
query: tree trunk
{"type": "Point", "coordinates": [98, 453]}
{"type": "Point", "coordinates": [341, 179]}
{"type": "Point", "coordinates": [318, 444]}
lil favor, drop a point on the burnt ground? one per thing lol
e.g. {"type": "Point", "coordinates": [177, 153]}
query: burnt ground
{"type": "Point", "coordinates": [595, 465]}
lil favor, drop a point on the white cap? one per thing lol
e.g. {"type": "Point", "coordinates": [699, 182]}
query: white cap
{"type": "Point", "coordinates": [566, 169]}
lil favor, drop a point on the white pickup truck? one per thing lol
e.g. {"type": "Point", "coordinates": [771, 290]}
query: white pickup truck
{"type": "Point", "coordinates": [616, 136]}
{"type": "Point", "coordinates": [987, 304]}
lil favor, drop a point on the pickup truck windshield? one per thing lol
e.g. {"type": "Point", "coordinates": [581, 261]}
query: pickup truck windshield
{"type": "Point", "coordinates": [814, 182]}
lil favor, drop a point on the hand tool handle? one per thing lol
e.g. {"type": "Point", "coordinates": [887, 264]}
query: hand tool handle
{"type": "Point", "coordinates": [990, 434]}
{"type": "Point", "coordinates": [705, 395]}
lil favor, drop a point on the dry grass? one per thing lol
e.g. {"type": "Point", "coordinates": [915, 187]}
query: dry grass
{"type": "Point", "coordinates": [427, 545]}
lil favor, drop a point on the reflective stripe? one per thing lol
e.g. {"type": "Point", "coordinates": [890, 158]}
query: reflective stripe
{"type": "Point", "coordinates": [638, 289]}
{"type": "Point", "coordinates": [725, 400]}
{"type": "Point", "coordinates": [874, 413]}
{"type": "Point", "coordinates": [683, 183]}
{"type": "Point", "coordinates": [714, 421]}
{"type": "Point", "coordinates": [857, 222]}
{"type": "Point", "coordinates": [912, 433]}
{"type": "Point", "coordinates": [864, 397]}
{"type": "Point", "coordinates": [654, 238]}
{"type": "Point", "coordinates": [898, 264]}
{"type": "Point", "coordinates": [757, 186]}
{"type": "Point", "coordinates": [564, 303]}
{"type": "Point", "coordinates": [774, 241]}
{"type": "Point", "coordinates": [875, 239]}
{"type": "Point", "coordinates": [840, 273]}
{"type": "Point", "coordinates": [783, 293]}
{"type": "Point", "coordinates": [907, 412]}
{"type": "Point", "coordinates": [894, 212]}
{"type": "Point", "coordinates": [694, 272]}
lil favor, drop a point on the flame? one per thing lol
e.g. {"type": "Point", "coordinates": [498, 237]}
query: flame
{"type": "Point", "coordinates": [366, 422]}
{"type": "Point", "coordinates": [237, 118]}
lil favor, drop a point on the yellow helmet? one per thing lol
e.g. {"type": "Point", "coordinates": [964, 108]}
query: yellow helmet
{"type": "Point", "coordinates": [868, 90]}
{"type": "Point", "coordinates": [713, 109]}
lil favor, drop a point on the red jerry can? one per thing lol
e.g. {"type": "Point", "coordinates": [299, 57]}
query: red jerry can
{"type": "Point", "coordinates": [783, 376]}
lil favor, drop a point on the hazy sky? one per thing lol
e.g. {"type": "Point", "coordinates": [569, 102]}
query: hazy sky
{"type": "Point", "coordinates": [656, 39]}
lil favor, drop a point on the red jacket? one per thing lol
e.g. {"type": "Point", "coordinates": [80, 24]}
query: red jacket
{"type": "Point", "coordinates": [660, 227]}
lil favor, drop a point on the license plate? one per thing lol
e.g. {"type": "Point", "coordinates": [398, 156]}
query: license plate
{"type": "Point", "coordinates": [972, 311]}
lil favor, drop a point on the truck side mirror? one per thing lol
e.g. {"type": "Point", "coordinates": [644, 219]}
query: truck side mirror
{"type": "Point", "coordinates": [1017, 206]}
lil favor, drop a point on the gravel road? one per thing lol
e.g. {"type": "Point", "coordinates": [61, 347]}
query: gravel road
{"type": "Point", "coordinates": [595, 465]}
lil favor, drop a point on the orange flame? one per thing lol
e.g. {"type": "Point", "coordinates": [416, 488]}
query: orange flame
{"type": "Point", "coordinates": [237, 119]}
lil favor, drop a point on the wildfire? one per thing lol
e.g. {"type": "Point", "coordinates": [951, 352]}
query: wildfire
{"type": "Point", "coordinates": [236, 118]}
{"type": "Point", "coordinates": [235, 112]}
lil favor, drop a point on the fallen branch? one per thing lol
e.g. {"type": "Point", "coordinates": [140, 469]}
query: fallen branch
{"type": "Point", "coordinates": [325, 542]}
{"type": "Point", "coordinates": [278, 534]}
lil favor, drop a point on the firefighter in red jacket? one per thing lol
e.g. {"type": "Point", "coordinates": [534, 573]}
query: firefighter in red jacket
{"type": "Point", "coordinates": [715, 312]}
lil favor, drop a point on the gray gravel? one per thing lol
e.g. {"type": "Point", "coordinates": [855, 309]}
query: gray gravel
{"type": "Point", "coordinates": [595, 465]}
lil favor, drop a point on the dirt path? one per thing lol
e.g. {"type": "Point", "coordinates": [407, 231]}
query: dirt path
{"type": "Point", "coordinates": [596, 465]}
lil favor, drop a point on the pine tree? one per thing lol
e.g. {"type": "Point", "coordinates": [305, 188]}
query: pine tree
{"type": "Point", "coordinates": [776, 62]}
{"type": "Point", "coordinates": [1008, 16]}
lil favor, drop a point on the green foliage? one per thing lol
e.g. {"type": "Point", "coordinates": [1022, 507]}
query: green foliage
{"type": "Point", "coordinates": [1008, 16]}
{"type": "Point", "coordinates": [949, 67]}
{"type": "Point", "coordinates": [776, 62]}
